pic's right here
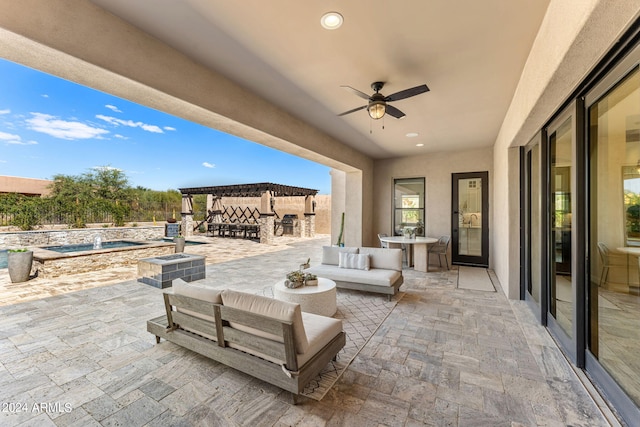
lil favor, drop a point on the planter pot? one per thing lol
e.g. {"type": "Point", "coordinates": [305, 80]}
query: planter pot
{"type": "Point", "coordinates": [312, 282]}
{"type": "Point", "coordinates": [19, 264]}
{"type": "Point", "coordinates": [179, 241]}
{"type": "Point", "coordinates": [171, 221]}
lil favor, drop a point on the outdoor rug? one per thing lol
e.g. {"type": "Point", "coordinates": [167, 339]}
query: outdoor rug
{"type": "Point", "coordinates": [362, 314]}
{"type": "Point", "coordinates": [474, 278]}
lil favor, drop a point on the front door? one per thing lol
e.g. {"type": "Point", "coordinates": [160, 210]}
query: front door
{"type": "Point", "coordinates": [470, 218]}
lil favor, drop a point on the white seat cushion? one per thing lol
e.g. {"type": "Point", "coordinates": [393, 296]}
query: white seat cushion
{"type": "Point", "coordinates": [320, 331]}
{"type": "Point", "coordinates": [374, 276]}
{"type": "Point", "coordinates": [276, 309]}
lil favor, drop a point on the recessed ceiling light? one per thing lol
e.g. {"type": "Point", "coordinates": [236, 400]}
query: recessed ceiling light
{"type": "Point", "coordinates": [419, 145]}
{"type": "Point", "coordinates": [331, 20]}
{"type": "Point", "coordinates": [412, 134]}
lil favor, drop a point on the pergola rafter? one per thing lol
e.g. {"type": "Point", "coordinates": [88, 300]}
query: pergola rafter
{"type": "Point", "coordinates": [250, 190]}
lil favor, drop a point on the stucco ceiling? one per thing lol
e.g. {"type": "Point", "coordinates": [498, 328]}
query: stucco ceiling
{"type": "Point", "coordinates": [470, 53]}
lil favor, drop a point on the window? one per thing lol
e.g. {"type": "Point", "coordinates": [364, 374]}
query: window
{"type": "Point", "coordinates": [409, 205]}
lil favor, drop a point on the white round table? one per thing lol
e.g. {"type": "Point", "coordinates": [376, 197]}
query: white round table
{"type": "Point", "coordinates": [320, 299]}
{"type": "Point", "coordinates": [419, 258]}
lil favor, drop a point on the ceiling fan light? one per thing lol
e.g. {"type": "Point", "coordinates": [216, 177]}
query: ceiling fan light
{"type": "Point", "coordinates": [376, 109]}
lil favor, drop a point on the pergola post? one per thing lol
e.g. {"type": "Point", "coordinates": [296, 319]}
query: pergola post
{"type": "Point", "coordinates": [309, 227]}
{"type": "Point", "coordinates": [267, 218]}
{"type": "Point", "coordinates": [186, 224]}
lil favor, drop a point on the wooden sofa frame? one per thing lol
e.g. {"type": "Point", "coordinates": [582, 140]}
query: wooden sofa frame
{"type": "Point", "coordinates": [289, 377]}
{"type": "Point", "coordinates": [389, 291]}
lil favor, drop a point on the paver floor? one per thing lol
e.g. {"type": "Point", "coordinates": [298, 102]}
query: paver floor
{"type": "Point", "coordinates": [443, 357]}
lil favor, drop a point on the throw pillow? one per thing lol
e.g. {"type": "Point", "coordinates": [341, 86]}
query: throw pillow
{"type": "Point", "coordinates": [354, 261]}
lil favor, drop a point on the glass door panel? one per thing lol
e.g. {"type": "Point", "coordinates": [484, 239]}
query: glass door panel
{"type": "Point", "coordinates": [470, 219]}
{"type": "Point", "coordinates": [614, 233]}
{"type": "Point", "coordinates": [561, 287]}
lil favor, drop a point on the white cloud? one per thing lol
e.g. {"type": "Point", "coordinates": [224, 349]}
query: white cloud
{"type": "Point", "coordinates": [10, 138]}
{"type": "Point", "coordinates": [130, 123]}
{"type": "Point", "coordinates": [208, 165]}
{"type": "Point", "coordinates": [63, 129]}
{"type": "Point", "coordinates": [113, 108]}
{"type": "Point", "coordinates": [44, 95]}
{"type": "Point", "coordinates": [169, 128]}
{"type": "Point", "coordinates": [117, 135]}
{"type": "Point", "coordinates": [7, 111]}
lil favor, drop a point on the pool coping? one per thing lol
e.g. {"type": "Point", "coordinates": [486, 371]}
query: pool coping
{"type": "Point", "coordinates": [42, 254]}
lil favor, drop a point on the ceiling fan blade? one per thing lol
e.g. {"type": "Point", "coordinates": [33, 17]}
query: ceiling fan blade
{"type": "Point", "coordinates": [407, 93]}
{"type": "Point", "coordinates": [352, 111]}
{"type": "Point", "coordinates": [394, 112]}
{"type": "Point", "coordinates": [357, 92]}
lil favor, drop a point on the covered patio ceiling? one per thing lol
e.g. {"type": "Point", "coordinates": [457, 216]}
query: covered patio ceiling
{"type": "Point", "coordinates": [250, 190]}
{"type": "Point", "coordinates": [469, 53]}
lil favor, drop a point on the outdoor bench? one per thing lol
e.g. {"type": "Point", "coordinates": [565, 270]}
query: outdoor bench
{"type": "Point", "coordinates": [266, 338]}
{"type": "Point", "coordinates": [362, 268]}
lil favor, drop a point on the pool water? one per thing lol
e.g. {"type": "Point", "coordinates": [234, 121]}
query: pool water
{"type": "Point", "coordinates": [89, 246]}
{"type": "Point", "coordinates": [3, 259]}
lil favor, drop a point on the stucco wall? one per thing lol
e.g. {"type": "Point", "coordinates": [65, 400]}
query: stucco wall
{"type": "Point", "coordinates": [573, 37]}
{"type": "Point", "coordinates": [436, 169]}
{"type": "Point", "coordinates": [291, 205]}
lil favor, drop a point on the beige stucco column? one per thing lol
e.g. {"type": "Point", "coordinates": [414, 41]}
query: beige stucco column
{"type": "Point", "coordinates": [267, 219]}
{"type": "Point", "coordinates": [186, 225]}
{"type": "Point", "coordinates": [309, 229]}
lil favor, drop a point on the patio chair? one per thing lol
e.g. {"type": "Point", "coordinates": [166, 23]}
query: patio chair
{"type": "Point", "coordinates": [383, 244]}
{"type": "Point", "coordinates": [605, 257]}
{"type": "Point", "coordinates": [440, 248]}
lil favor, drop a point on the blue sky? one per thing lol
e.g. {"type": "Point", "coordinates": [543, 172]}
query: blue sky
{"type": "Point", "coordinates": [51, 126]}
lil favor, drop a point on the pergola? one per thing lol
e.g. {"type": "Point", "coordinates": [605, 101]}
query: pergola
{"type": "Point", "coordinates": [250, 190]}
{"type": "Point", "coordinates": [266, 191]}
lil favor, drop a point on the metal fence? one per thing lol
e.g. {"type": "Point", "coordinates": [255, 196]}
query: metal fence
{"type": "Point", "coordinates": [47, 215]}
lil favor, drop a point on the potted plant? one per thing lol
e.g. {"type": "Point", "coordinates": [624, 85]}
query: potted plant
{"type": "Point", "coordinates": [295, 279]}
{"type": "Point", "coordinates": [179, 240]}
{"type": "Point", "coordinates": [310, 279]}
{"type": "Point", "coordinates": [306, 264]}
{"type": "Point", "coordinates": [19, 262]}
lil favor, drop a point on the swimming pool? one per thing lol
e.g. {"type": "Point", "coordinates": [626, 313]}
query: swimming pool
{"type": "Point", "coordinates": [3, 259]}
{"type": "Point", "coordinates": [54, 261]}
{"type": "Point", "coordinates": [79, 247]}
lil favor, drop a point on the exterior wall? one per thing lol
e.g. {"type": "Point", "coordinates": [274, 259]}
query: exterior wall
{"type": "Point", "coordinates": [436, 169]}
{"type": "Point", "coordinates": [291, 205]}
{"type": "Point", "coordinates": [26, 186]}
{"type": "Point", "coordinates": [20, 239]}
{"type": "Point", "coordinates": [573, 37]}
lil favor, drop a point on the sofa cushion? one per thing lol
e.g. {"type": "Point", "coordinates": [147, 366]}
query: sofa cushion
{"type": "Point", "coordinates": [276, 309]}
{"type": "Point", "coordinates": [197, 291]}
{"type": "Point", "coordinates": [320, 331]}
{"type": "Point", "coordinates": [374, 276]}
{"type": "Point", "coordinates": [330, 254]}
{"type": "Point", "coordinates": [357, 261]}
{"type": "Point", "coordinates": [390, 259]}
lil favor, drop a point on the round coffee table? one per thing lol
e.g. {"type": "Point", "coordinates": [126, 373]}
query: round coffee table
{"type": "Point", "coordinates": [320, 299]}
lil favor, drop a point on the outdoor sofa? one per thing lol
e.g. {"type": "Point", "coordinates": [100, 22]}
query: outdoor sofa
{"type": "Point", "coordinates": [362, 268]}
{"type": "Point", "coordinates": [263, 337]}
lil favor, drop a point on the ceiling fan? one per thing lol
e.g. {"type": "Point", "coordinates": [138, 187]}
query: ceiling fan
{"type": "Point", "coordinates": [378, 103]}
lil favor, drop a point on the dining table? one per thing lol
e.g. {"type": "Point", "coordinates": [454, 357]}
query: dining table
{"type": "Point", "coordinates": [416, 249]}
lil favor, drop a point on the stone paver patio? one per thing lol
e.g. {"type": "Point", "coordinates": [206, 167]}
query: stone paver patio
{"type": "Point", "coordinates": [444, 356]}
